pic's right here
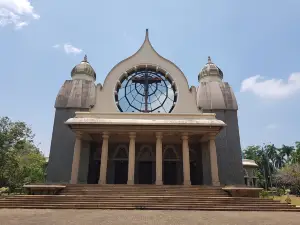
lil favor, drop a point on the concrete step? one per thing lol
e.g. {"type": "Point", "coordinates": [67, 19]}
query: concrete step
{"type": "Point", "coordinates": [141, 199]}
{"type": "Point", "coordinates": [157, 207]}
{"type": "Point", "coordinates": [141, 204]}
{"type": "Point", "coordinates": [131, 197]}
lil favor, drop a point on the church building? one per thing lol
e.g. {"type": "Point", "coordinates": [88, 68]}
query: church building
{"type": "Point", "coordinates": [146, 125]}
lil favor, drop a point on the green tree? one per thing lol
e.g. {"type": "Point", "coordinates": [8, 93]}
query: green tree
{"type": "Point", "coordinates": [20, 160]}
{"type": "Point", "coordinates": [295, 155]}
{"type": "Point", "coordinates": [271, 159]}
{"type": "Point", "coordinates": [289, 176]}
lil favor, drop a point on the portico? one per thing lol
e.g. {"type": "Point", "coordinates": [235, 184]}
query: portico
{"type": "Point", "coordinates": [150, 146]}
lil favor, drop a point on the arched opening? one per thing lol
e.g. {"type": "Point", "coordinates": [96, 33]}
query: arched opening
{"type": "Point", "coordinates": [94, 164]}
{"type": "Point", "coordinates": [145, 165]}
{"type": "Point", "coordinates": [171, 162]}
{"type": "Point", "coordinates": [195, 168]}
{"type": "Point", "coordinates": [120, 160]}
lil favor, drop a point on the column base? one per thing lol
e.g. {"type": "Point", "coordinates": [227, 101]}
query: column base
{"type": "Point", "coordinates": [130, 182]}
{"type": "Point", "coordinates": [101, 182]}
{"type": "Point", "coordinates": [216, 183]}
{"type": "Point", "coordinates": [187, 182]}
{"type": "Point", "coordinates": [159, 182]}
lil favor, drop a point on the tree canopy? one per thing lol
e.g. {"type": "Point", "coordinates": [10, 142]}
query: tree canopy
{"type": "Point", "coordinates": [20, 159]}
{"type": "Point", "coordinates": [275, 164]}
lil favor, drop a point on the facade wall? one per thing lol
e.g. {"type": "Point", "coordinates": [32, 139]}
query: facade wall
{"type": "Point", "coordinates": [229, 149]}
{"type": "Point", "coordinates": [62, 148]}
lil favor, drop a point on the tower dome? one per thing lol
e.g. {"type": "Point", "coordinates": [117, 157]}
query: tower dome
{"type": "Point", "coordinates": [212, 92]}
{"type": "Point", "coordinates": [83, 71]}
{"type": "Point", "coordinates": [210, 72]}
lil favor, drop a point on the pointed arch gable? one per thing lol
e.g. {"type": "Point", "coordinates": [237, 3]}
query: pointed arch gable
{"type": "Point", "coordinates": [146, 55]}
{"type": "Point", "coordinates": [170, 153]}
{"type": "Point", "coordinates": [146, 153]}
{"type": "Point", "coordinates": [121, 152]}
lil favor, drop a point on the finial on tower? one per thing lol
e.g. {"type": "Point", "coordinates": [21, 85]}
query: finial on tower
{"type": "Point", "coordinates": [209, 59]}
{"type": "Point", "coordinates": [147, 33]}
{"type": "Point", "coordinates": [85, 58]}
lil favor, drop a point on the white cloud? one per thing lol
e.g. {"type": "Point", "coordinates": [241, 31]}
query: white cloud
{"type": "Point", "coordinates": [17, 13]}
{"type": "Point", "coordinates": [272, 126]}
{"type": "Point", "coordinates": [70, 49]}
{"type": "Point", "coordinates": [272, 88]}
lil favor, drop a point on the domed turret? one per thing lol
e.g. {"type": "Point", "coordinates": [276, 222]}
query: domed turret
{"type": "Point", "coordinates": [212, 92]}
{"type": "Point", "coordinates": [83, 71]}
{"type": "Point", "coordinates": [210, 72]}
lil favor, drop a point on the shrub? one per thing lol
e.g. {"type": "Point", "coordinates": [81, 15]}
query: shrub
{"type": "Point", "coordinates": [264, 194]}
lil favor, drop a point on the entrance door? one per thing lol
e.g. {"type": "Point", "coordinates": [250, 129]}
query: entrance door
{"type": "Point", "coordinates": [121, 172]}
{"type": "Point", "coordinates": [145, 173]}
{"type": "Point", "coordinates": [170, 173]}
{"type": "Point", "coordinates": [94, 172]}
{"type": "Point", "coordinates": [193, 173]}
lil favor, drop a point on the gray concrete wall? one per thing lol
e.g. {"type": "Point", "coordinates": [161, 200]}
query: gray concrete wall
{"type": "Point", "coordinates": [229, 149]}
{"type": "Point", "coordinates": [62, 148]}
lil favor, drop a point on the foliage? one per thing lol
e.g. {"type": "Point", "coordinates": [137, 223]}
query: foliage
{"type": "Point", "coordinates": [20, 160]}
{"type": "Point", "coordinates": [270, 159]}
{"type": "Point", "coordinates": [288, 199]}
{"type": "Point", "coordinates": [4, 190]}
{"type": "Point", "coordinates": [289, 176]}
{"type": "Point", "coordinates": [264, 194]}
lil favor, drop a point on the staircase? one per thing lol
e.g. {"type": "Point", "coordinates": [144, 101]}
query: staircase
{"type": "Point", "coordinates": [83, 196]}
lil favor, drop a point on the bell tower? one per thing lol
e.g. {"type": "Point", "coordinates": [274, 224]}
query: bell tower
{"type": "Point", "coordinates": [216, 96]}
{"type": "Point", "coordinates": [77, 94]}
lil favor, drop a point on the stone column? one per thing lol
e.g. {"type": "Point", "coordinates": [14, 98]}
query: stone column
{"type": "Point", "coordinates": [186, 159]}
{"type": "Point", "coordinates": [159, 160]}
{"type": "Point", "coordinates": [104, 157]}
{"type": "Point", "coordinates": [76, 160]}
{"type": "Point", "coordinates": [213, 161]}
{"type": "Point", "coordinates": [131, 159]}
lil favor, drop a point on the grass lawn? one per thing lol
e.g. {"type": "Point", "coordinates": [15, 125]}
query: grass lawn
{"type": "Point", "coordinates": [295, 200]}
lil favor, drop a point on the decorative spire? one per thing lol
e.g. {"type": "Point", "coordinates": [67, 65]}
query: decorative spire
{"type": "Point", "coordinates": [147, 34]}
{"type": "Point", "coordinates": [85, 58]}
{"type": "Point", "coordinates": [209, 60]}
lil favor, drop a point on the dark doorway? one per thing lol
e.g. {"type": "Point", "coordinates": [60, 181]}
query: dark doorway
{"type": "Point", "coordinates": [94, 172]}
{"type": "Point", "coordinates": [121, 171]}
{"type": "Point", "coordinates": [145, 173]}
{"type": "Point", "coordinates": [195, 177]}
{"type": "Point", "coordinates": [170, 173]}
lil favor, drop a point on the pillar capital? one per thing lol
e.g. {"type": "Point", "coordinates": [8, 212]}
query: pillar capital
{"type": "Point", "coordinates": [78, 135]}
{"type": "Point", "coordinates": [212, 136]}
{"type": "Point", "coordinates": [159, 135]}
{"type": "Point", "coordinates": [184, 136]}
{"type": "Point", "coordinates": [105, 135]}
{"type": "Point", "coordinates": [132, 135]}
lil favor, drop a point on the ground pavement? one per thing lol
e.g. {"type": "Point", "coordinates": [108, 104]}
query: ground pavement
{"type": "Point", "coordinates": [116, 217]}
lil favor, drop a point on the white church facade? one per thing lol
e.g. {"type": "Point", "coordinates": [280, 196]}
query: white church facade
{"type": "Point", "coordinates": [145, 125]}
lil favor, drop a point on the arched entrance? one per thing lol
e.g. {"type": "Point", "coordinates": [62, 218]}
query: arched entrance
{"type": "Point", "coordinates": [120, 159]}
{"type": "Point", "coordinates": [146, 165]}
{"type": "Point", "coordinates": [171, 161]}
{"type": "Point", "coordinates": [195, 168]}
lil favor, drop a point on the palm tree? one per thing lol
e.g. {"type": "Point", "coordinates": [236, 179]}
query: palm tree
{"type": "Point", "coordinates": [286, 152]}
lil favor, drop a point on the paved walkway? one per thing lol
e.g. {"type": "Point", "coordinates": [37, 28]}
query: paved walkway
{"type": "Point", "coordinates": [115, 217]}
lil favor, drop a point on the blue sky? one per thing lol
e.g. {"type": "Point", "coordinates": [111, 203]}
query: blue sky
{"type": "Point", "coordinates": [255, 43]}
